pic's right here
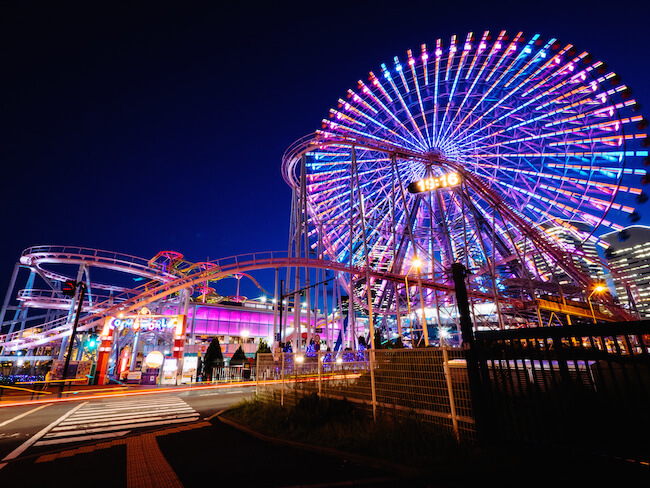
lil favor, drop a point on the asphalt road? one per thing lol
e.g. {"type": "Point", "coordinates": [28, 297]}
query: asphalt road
{"type": "Point", "coordinates": [23, 423]}
{"type": "Point", "coordinates": [162, 440]}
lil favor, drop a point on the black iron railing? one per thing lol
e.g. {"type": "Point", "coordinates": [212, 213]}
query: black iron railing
{"type": "Point", "coordinates": [576, 386]}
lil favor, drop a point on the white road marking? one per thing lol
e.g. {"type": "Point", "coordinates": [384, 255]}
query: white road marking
{"type": "Point", "coordinates": [71, 437]}
{"type": "Point", "coordinates": [20, 449]}
{"type": "Point", "coordinates": [99, 426]}
{"type": "Point", "coordinates": [17, 417]}
{"type": "Point", "coordinates": [83, 438]}
{"type": "Point", "coordinates": [90, 417]}
{"type": "Point", "coordinates": [113, 419]}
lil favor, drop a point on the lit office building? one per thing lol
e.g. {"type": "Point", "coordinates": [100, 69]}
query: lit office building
{"type": "Point", "coordinates": [629, 260]}
{"type": "Point", "coordinates": [582, 250]}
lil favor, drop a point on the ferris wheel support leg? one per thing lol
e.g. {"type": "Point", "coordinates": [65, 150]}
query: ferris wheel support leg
{"type": "Point", "coordinates": [304, 226]}
{"type": "Point", "coordinates": [275, 311]}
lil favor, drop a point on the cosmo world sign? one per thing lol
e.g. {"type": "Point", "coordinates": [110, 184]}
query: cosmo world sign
{"type": "Point", "coordinates": [144, 321]}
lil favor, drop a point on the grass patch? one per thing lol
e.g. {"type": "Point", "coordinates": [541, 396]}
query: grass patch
{"type": "Point", "coordinates": [344, 426]}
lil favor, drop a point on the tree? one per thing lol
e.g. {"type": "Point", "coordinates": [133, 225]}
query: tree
{"type": "Point", "coordinates": [239, 358]}
{"type": "Point", "coordinates": [213, 358]}
{"type": "Point", "coordinates": [377, 341]}
{"type": "Point", "coordinates": [263, 348]}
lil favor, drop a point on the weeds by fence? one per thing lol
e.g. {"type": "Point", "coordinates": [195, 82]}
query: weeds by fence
{"type": "Point", "coordinates": [428, 384]}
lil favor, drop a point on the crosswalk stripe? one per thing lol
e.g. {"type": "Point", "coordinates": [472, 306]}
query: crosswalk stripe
{"type": "Point", "coordinates": [115, 419]}
{"type": "Point", "coordinates": [51, 442]}
{"type": "Point", "coordinates": [137, 401]}
{"type": "Point", "coordinates": [134, 405]}
{"type": "Point", "coordinates": [134, 424]}
{"type": "Point", "coordinates": [87, 418]}
{"type": "Point", "coordinates": [119, 422]}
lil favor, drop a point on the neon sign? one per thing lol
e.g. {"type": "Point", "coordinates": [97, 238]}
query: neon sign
{"type": "Point", "coordinates": [146, 323]}
{"type": "Point", "coordinates": [429, 184]}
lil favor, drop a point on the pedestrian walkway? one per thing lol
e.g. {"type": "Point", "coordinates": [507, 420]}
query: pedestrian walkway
{"type": "Point", "coordinates": [187, 456]}
{"type": "Point", "coordinates": [103, 420]}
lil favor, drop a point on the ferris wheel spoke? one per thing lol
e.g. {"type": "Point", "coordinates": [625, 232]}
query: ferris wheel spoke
{"type": "Point", "coordinates": [512, 47]}
{"type": "Point", "coordinates": [606, 127]}
{"type": "Point", "coordinates": [450, 96]}
{"type": "Point", "coordinates": [518, 107]}
{"type": "Point", "coordinates": [410, 138]}
{"type": "Point", "coordinates": [411, 63]}
{"type": "Point", "coordinates": [542, 136]}
{"type": "Point", "coordinates": [396, 90]}
{"type": "Point", "coordinates": [475, 81]}
{"type": "Point", "coordinates": [525, 51]}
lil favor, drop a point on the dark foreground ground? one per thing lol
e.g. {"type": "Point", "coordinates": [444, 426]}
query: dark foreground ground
{"type": "Point", "coordinates": [215, 453]}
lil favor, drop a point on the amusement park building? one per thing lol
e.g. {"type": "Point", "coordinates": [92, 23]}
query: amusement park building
{"type": "Point", "coordinates": [36, 316]}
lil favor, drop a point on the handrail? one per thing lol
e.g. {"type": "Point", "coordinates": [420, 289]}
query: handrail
{"type": "Point", "coordinates": [25, 389]}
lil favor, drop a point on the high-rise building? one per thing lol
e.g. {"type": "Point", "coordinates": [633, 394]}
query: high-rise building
{"type": "Point", "coordinates": [575, 240]}
{"type": "Point", "coordinates": [581, 248]}
{"type": "Point", "coordinates": [629, 261]}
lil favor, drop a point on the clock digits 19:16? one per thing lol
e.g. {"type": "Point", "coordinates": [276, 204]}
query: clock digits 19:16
{"type": "Point", "coordinates": [433, 183]}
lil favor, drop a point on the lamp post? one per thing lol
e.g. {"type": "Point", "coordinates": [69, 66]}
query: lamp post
{"type": "Point", "coordinates": [597, 289]}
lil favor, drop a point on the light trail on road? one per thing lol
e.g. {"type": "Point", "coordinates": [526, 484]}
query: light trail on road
{"type": "Point", "coordinates": [101, 395]}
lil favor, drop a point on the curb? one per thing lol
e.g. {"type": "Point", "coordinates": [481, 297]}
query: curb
{"type": "Point", "coordinates": [385, 465]}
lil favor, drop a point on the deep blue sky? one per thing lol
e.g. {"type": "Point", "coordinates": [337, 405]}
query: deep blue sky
{"type": "Point", "coordinates": [145, 126]}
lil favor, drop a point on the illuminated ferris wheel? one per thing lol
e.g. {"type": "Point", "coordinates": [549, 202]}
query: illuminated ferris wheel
{"type": "Point", "coordinates": [509, 154]}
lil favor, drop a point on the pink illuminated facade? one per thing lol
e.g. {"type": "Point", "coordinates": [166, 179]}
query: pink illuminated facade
{"type": "Point", "coordinates": [246, 324]}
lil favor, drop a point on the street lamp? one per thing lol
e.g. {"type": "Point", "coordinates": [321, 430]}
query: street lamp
{"type": "Point", "coordinates": [597, 289]}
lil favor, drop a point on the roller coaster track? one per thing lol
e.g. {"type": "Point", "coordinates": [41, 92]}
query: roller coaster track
{"type": "Point", "coordinates": [38, 256]}
{"type": "Point", "coordinates": [169, 285]}
{"type": "Point", "coordinates": [58, 329]}
{"type": "Point", "coordinates": [47, 261]}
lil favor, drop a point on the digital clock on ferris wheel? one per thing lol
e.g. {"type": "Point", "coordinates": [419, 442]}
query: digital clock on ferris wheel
{"type": "Point", "coordinates": [433, 183]}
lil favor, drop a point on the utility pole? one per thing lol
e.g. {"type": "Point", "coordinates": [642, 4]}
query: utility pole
{"type": "Point", "coordinates": [69, 289]}
{"type": "Point", "coordinates": [471, 351]}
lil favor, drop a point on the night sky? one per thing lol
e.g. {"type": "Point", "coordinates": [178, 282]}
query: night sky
{"type": "Point", "coordinates": [146, 126]}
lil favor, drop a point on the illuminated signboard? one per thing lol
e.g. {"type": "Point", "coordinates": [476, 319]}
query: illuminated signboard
{"type": "Point", "coordinates": [146, 323]}
{"type": "Point", "coordinates": [433, 183]}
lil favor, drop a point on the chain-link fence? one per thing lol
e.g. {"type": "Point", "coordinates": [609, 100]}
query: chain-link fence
{"type": "Point", "coordinates": [430, 384]}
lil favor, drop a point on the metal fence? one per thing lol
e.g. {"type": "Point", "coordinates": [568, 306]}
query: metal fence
{"type": "Point", "coordinates": [430, 384]}
{"type": "Point", "coordinates": [575, 386]}
{"type": "Point", "coordinates": [583, 387]}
